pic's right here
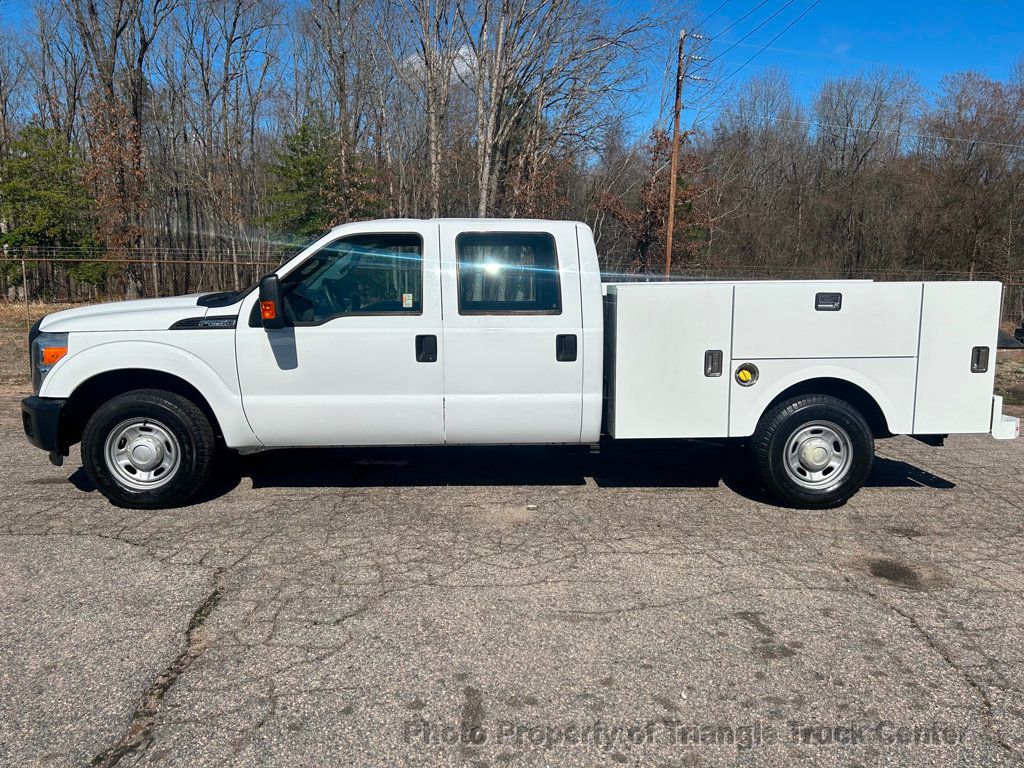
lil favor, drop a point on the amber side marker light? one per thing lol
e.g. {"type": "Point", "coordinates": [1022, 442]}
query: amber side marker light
{"type": "Point", "coordinates": [267, 310]}
{"type": "Point", "coordinates": [52, 354]}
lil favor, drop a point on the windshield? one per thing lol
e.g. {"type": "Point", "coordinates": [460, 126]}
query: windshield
{"type": "Point", "coordinates": [299, 247]}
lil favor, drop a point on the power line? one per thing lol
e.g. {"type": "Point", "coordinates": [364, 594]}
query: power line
{"type": "Point", "coordinates": [708, 17]}
{"type": "Point", "coordinates": [781, 8]}
{"type": "Point", "coordinates": [745, 15]}
{"type": "Point", "coordinates": [785, 29]}
{"type": "Point", "coordinates": [832, 57]}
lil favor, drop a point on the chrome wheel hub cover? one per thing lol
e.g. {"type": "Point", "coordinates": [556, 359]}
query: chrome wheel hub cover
{"type": "Point", "coordinates": [142, 454]}
{"type": "Point", "coordinates": [818, 455]}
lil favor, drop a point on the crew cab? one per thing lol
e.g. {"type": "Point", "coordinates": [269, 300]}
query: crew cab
{"type": "Point", "coordinates": [487, 331]}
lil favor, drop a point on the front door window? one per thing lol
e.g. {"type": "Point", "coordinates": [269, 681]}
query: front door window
{"type": "Point", "coordinates": [380, 274]}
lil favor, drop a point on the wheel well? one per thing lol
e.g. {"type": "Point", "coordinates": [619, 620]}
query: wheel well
{"type": "Point", "coordinates": [92, 393]}
{"type": "Point", "coordinates": [844, 390]}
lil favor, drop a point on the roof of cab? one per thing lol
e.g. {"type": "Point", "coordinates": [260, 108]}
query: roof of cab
{"type": "Point", "coordinates": [467, 222]}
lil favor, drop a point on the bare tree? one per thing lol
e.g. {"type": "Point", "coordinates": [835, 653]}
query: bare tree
{"type": "Point", "coordinates": [59, 71]}
{"type": "Point", "coordinates": [183, 109]}
{"type": "Point", "coordinates": [117, 36]}
{"type": "Point", "coordinates": [428, 69]}
{"type": "Point", "coordinates": [544, 75]}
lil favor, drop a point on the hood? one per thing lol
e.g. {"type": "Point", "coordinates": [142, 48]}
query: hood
{"type": "Point", "coordinates": [141, 315]}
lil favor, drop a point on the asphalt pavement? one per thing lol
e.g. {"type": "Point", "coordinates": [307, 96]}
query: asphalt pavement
{"type": "Point", "coordinates": [515, 607]}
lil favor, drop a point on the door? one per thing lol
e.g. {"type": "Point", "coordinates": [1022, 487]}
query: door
{"type": "Point", "coordinates": [513, 347]}
{"type": "Point", "coordinates": [956, 363]}
{"type": "Point", "coordinates": [670, 371]}
{"type": "Point", "coordinates": [359, 361]}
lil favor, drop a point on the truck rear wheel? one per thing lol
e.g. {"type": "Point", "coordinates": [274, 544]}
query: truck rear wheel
{"type": "Point", "coordinates": [813, 451]}
{"type": "Point", "coordinates": [148, 449]}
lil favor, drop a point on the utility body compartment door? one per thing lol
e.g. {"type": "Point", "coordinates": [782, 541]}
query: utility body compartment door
{"type": "Point", "coordinates": [668, 362]}
{"type": "Point", "coordinates": [953, 393]}
{"type": "Point", "coordinates": [513, 367]}
{"type": "Point", "coordinates": [825, 319]}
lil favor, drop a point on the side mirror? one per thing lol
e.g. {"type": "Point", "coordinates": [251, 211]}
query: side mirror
{"type": "Point", "coordinates": [271, 309]}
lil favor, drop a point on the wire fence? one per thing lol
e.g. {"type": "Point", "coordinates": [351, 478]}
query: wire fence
{"type": "Point", "coordinates": [52, 278]}
{"type": "Point", "coordinates": [55, 277]}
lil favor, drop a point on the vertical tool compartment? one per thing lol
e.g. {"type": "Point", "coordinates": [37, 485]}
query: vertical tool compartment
{"type": "Point", "coordinates": [957, 357]}
{"type": "Point", "coordinates": [668, 372]}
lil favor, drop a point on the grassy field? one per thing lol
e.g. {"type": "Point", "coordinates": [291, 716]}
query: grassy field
{"type": "Point", "coordinates": [1010, 378]}
{"type": "Point", "coordinates": [1010, 382]}
{"type": "Point", "coordinates": [15, 376]}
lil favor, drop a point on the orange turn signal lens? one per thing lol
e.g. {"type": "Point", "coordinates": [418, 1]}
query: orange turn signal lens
{"type": "Point", "coordinates": [52, 354]}
{"type": "Point", "coordinates": [267, 310]}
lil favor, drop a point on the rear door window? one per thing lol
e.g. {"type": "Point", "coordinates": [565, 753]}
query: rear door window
{"type": "Point", "coordinates": [508, 273]}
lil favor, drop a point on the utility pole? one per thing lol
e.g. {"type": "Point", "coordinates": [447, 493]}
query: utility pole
{"type": "Point", "coordinates": [670, 227]}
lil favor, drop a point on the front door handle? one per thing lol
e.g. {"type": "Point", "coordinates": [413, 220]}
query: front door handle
{"type": "Point", "coordinates": [426, 349]}
{"type": "Point", "coordinates": [713, 362]}
{"type": "Point", "coordinates": [565, 347]}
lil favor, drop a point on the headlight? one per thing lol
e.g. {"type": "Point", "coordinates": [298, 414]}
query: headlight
{"type": "Point", "coordinates": [45, 350]}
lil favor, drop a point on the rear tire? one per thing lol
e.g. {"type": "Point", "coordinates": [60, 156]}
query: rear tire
{"type": "Point", "coordinates": [813, 451]}
{"type": "Point", "coordinates": [148, 449]}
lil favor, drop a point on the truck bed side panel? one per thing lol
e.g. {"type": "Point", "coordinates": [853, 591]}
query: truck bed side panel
{"type": "Point", "coordinates": [889, 380]}
{"type": "Point", "coordinates": [908, 345]}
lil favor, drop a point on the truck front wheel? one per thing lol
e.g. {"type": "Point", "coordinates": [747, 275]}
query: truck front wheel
{"type": "Point", "coordinates": [148, 449]}
{"type": "Point", "coordinates": [813, 451]}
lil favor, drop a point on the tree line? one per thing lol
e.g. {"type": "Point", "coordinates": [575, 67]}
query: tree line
{"type": "Point", "coordinates": [202, 131]}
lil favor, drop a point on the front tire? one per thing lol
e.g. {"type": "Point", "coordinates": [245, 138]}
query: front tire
{"type": "Point", "coordinates": [813, 451]}
{"type": "Point", "coordinates": [148, 449]}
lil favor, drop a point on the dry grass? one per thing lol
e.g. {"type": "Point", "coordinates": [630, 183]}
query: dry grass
{"type": "Point", "coordinates": [1010, 381]}
{"type": "Point", "coordinates": [1010, 377]}
{"type": "Point", "coordinates": [15, 377]}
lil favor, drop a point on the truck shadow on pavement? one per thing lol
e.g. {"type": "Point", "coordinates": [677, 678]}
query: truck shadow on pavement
{"type": "Point", "coordinates": [681, 465]}
{"type": "Point", "coordinates": [684, 465]}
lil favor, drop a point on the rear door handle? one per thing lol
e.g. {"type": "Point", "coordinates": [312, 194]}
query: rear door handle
{"type": "Point", "coordinates": [565, 347]}
{"type": "Point", "coordinates": [979, 360]}
{"type": "Point", "coordinates": [426, 349]}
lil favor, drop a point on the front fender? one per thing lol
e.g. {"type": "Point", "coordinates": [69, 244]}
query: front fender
{"type": "Point", "coordinates": [217, 383]}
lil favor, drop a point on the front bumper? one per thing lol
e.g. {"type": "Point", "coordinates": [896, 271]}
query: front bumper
{"type": "Point", "coordinates": [1003, 427]}
{"type": "Point", "coordinates": [41, 417]}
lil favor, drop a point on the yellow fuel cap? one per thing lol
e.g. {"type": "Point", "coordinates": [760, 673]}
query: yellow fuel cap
{"type": "Point", "coordinates": [746, 374]}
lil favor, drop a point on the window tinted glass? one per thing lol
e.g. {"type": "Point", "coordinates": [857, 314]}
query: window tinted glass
{"type": "Point", "coordinates": [362, 274]}
{"type": "Point", "coordinates": [501, 272]}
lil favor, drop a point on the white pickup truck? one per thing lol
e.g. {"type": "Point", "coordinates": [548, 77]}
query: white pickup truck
{"type": "Point", "coordinates": [484, 332]}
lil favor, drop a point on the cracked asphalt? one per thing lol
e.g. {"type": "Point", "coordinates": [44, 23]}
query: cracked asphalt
{"type": "Point", "coordinates": [512, 608]}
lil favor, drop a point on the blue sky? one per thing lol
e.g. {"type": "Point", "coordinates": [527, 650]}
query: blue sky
{"type": "Point", "coordinates": [929, 38]}
{"type": "Point", "coordinates": [926, 38]}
